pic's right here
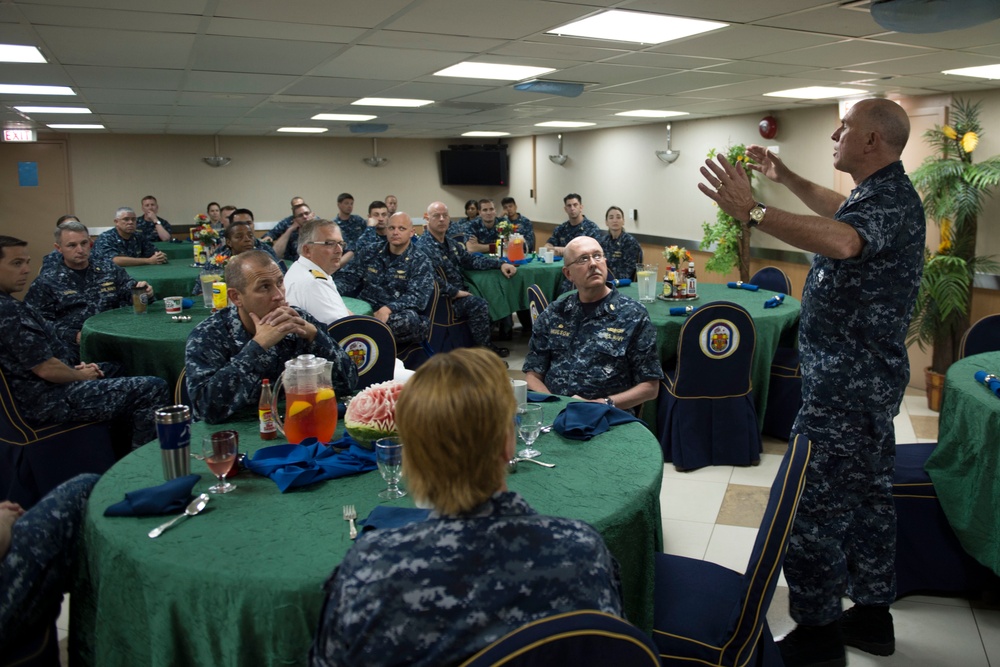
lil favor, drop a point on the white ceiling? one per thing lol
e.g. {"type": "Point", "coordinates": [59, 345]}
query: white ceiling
{"type": "Point", "coordinates": [247, 67]}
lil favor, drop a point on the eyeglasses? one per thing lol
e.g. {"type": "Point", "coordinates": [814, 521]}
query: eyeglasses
{"type": "Point", "coordinates": [126, 217]}
{"type": "Point", "coordinates": [329, 244]}
{"type": "Point", "coordinates": [583, 260]}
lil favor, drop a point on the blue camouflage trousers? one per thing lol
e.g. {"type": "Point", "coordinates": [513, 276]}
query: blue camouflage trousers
{"type": "Point", "coordinates": [38, 568]}
{"type": "Point", "coordinates": [843, 540]}
{"type": "Point", "coordinates": [476, 311]}
{"type": "Point", "coordinates": [408, 326]}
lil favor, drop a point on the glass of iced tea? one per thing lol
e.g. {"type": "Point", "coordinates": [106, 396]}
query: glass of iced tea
{"type": "Point", "coordinates": [219, 450]}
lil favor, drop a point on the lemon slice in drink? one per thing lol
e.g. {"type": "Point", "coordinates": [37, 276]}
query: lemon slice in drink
{"type": "Point", "coordinates": [324, 394]}
{"type": "Point", "coordinates": [297, 407]}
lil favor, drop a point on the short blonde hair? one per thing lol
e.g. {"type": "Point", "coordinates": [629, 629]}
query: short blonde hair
{"type": "Point", "coordinates": [455, 417]}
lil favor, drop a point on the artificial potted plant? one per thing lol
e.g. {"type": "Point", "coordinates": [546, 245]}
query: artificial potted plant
{"type": "Point", "coordinates": [730, 237]}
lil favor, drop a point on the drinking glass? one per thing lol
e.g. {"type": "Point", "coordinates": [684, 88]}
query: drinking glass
{"type": "Point", "coordinates": [219, 450]}
{"type": "Point", "coordinates": [529, 424]}
{"type": "Point", "coordinates": [389, 456]}
{"type": "Point", "coordinates": [645, 275]}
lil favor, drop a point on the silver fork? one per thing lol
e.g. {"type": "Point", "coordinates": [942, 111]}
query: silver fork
{"type": "Point", "coordinates": [350, 514]}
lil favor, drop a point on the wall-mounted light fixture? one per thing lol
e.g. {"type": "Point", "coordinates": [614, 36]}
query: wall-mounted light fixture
{"type": "Point", "coordinates": [668, 156]}
{"type": "Point", "coordinates": [561, 158]}
{"type": "Point", "coordinates": [216, 160]}
{"type": "Point", "coordinates": [375, 160]}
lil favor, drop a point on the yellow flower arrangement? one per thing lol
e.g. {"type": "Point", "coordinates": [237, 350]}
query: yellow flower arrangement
{"type": "Point", "coordinates": [969, 141]}
{"type": "Point", "coordinates": [676, 255]}
{"type": "Point", "coordinates": [949, 132]}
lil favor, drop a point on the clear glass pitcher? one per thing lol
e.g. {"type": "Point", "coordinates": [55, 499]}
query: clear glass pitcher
{"type": "Point", "coordinates": [310, 403]}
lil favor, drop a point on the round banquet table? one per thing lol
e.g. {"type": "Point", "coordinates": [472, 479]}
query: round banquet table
{"type": "Point", "coordinates": [509, 295]}
{"type": "Point", "coordinates": [242, 583]}
{"type": "Point", "coordinates": [152, 344]}
{"type": "Point", "coordinates": [176, 251]}
{"type": "Point", "coordinates": [965, 465]}
{"type": "Point", "coordinates": [176, 278]}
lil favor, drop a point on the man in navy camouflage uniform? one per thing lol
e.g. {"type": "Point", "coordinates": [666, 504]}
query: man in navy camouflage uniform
{"type": "Point", "coordinates": [450, 257]}
{"type": "Point", "coordinates": [351, 226]}
{"type": "Point", "coordinates": [597, 344]}
{"type": "Point", "coordinates": [46, 389]}
{"type": "Point", "coordinates": [124, 246]}
{"type": "Point", "coordinates": [374, 234]}
{"type": "Point", "coordinates": [79, 286]}
{"type": "Point", "coordinates": [524, 226]}
{"type": "Point", "coordinates": [483, 232]}
{"type": "Point", "coordinates": [484, 563]}
{"type": "Point", "coordinates": [856, 306]}
{"type": "Point", "coordinates": [151, 225]}
{"type": "Point", "coordinates": [577, 224]}
{"type": "Point", "coordinates": [285, 235]}
{"type": "Point", "coordinates": [397, 280]}
{"type": "Point", "coordinates": [38, 551]}
{"type": "Point", "coordinates": [229, 354]}
{"type": "Point", "coordinates": [621, 249]}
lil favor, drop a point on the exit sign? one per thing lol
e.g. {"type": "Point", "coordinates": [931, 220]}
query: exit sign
{"type": "Point", "coordinates": [20, 134]}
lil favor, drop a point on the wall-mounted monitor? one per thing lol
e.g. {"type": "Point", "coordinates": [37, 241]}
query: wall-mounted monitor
{"type": "Point", "coordinates": [474, 165]}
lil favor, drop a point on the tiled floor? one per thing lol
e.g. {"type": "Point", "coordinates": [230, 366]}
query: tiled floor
{"type": "Point", "coordinates": [713, 513]}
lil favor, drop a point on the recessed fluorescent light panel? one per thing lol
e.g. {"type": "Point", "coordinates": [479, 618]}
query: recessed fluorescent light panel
{"type": "Point", "coordinates": [982, 72]}
{"type": "Point", "coordinates": [652, 113]}
{"type": "Point", "coordinates": [15, 53]}
{"type": "Point", "coordinates": [493, 71]}
{"type": "Point", "coordinates": [350, 117]}
{"type": "Point", "coordinates": [19, 89]}
{"type": "Point", "coordinates": [815, 92]}
{"type": "Point", "coordinates": [53, 109]}
{"type": "Point", "coordinates": [638, 27]}
{"type": "Point", "coordinates": [303, 130]}
{"type": "Point", "coordinates": [391, 102]}
{"type": "Point", "coordinates": [75, 126]}
{"type": "Point", "coordinates": [485, 134]}
{"type": "Point", "coordinates": [564, 123]}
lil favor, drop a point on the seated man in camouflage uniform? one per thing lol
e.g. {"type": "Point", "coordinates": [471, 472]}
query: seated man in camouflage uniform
{"type": "Point", "coordinates": [483, 232]}
{"type": "Point", "coordinates": [450, 257]}
{"type": "Point", "coordinates": [228, 355]}
{"type": "Point", "coordinates": [577, 224]}
{"type": "Point", "coordinates": [285, 237]}
{"type": "Point", "coordinates": [79, 286]}
{"type": "Point", "coordinates": [525, 227]}
{"type": "Point", "coordinates": [45, 388]}
{"type": "Point", "coordinates": [374, 234]}
{"type": "Point", "coordinates": [151, 225]}
{"type": "Point", "coordinates": [596, 344]}
{"type": "Point", "coordinates": [437, 591]}
{"type": "Point", "coordinates": [397, 280]}
{"type": "Point", "coordinates": [125, 246]}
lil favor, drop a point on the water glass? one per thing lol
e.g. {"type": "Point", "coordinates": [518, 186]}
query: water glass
{"type": "Point", "coordinates": [645, 276]}
{"type": "Point", "coordinates": [389, 457]}
{"type": "Point", "coordinates": [529, 425]}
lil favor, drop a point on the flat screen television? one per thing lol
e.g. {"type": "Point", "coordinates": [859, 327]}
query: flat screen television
{"type": "Point", "coordinates": [474, 167]}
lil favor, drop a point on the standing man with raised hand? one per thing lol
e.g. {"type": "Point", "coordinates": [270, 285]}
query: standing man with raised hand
{"type": "Point", "coordinates": [577, 224]}
{"type": "Point", "coordinates": [856, 306]}
{"type": "Point", "coordinates": [151, 225]}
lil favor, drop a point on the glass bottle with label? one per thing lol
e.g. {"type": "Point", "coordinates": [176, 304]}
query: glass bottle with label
{"type": "Point", "coordinates": [692, 281]}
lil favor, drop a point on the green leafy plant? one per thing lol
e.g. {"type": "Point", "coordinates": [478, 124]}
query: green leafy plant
{"type": "Point", "coordinates": [728, 236]}
{"type": "Point", "coordinates": [953, 188]}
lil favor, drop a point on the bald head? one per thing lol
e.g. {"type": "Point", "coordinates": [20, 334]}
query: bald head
{"type": "Point", "coordinates": [581, 245]}
{"type": "Point", "coordinates": [888, 119]}
{"type": "Point", "coordinates": [398, 232]}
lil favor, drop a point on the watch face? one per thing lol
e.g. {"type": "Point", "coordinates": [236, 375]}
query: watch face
{"type": "Point", "coordinates": [757, 213]}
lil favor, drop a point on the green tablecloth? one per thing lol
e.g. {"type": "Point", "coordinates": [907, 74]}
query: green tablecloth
{"type": "Point", "coordinates": [241, 583]}
{"type": "Point", "coordinates": [965, 465]}
{"type": "Point", "coordinates": [176, 251]}
{"type": "Point", "coordinates": [509, 295]}
{"type": "Point", "coordinates": [177, 278]}
{"type": "Point", "coordinates": [151, 344]}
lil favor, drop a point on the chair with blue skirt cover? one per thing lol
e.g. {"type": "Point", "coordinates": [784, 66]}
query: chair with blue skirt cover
{"type": "Point", "coordinates": [370, 345]}
{"type": "Point", "coordinates": [772, 278]}
{"type": "Point", "coordinates": [983, 336]}
{"type": "Point", "coordinates": [706, 614]}
{"type": "Point", "coordinates": [784, 393]}
{"type": "Point", "coordinates": [705, 412]}
{"type": "Point", "coordinates": [448, 331]}
{"type": "Point", "coordinates": [537, 301]}
{"type": "Point", "coordinates": [585, 638]}
{"type": "Point", "coordinates": [929, 557]}
{"type": "Point", "coordinates": [36, 459]}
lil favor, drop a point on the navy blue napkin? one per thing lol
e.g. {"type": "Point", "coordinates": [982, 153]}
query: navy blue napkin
{"type": "Point", "coordinates": [518, 262]}
{"type": "Point", "coordinates": [622, 282]}
{"type": "Point", "coordinates": [167, 498]}
{"type": "Point", "coordinates": [683, 310]}
{"type": "Point", "coordinates": [989, 380]}
{"type": "Point", "coordinates": [775, 301]}
{"type": "Point", "coordinates": [384, 516]}
{"type": "Point", "coordinates": [742, 285]}
{"type": "Point", "coordinates": [539, 397]}
{"type": "Point", "coordinates": [292, 466]}
{"type": "Point", "coordinates": [584, 420]}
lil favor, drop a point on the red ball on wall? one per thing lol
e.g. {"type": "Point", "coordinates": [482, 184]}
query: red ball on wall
{"type": "Point", "coordinates": [768, 127]}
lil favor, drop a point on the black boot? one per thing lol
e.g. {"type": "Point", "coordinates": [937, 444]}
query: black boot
{"type": "Point", "coordinates": [869, 628]}
{"type": "Point", "coordinates": [814, 646]}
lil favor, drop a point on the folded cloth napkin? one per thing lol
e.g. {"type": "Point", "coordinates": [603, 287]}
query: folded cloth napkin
{"type": "Point", "coordinates": [384, 516]}
{"type": "Point", "coordinates": [742, 285]}
{"type": "Point", "coordinates": [775, 301]}
{"type": "Point", "coordinates": [539, 397]}
{"type": "Point", "coordinates": [186, 303]}
{"type": "Point", "coordinates": [518, 262]}
{"type": "Point", "coordinates": [168, 498]}
{"type": "Point", "coordinates": [292, 466]}
{"type": "Point", "coordinates": [584, 420]}
{"type": "Point", "coordinates": [622, 282]}
{"type": "Point", "coordinates": [683, 310]}
{"type": "Point", "coordinates": [990, 380]}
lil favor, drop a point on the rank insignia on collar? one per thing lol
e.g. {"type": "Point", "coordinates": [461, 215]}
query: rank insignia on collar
{"type": "Point", "coordinates": [317, 274]}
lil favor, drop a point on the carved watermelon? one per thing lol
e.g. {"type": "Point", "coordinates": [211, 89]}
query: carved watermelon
{"type": "Point", "coordinates": [372, 413]}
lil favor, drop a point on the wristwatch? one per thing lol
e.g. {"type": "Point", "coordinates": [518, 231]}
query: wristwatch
{"type": "Point", "coordinates": [610, 401]}
{"type": "Point", "coordinates": [756, 215]}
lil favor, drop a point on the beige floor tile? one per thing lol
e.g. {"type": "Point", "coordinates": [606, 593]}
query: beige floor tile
{"type": "Point", "coordinates": [743, 506]}
{"type": "Point", "coordinates": [686, 538]}
{"type": "Point", "coordinates": [759, 475]}
{"type": "Point", "coordinates": [731, 546]}
{"type": "Point", "coordinates": [988, 621]}
{"type": "Point", "coordinates": [924, 427]}
{"type": "Point", "coordinates": [706, 474]}
{"type": "Point", "coordinates": [903, 427]}
{"type": "Point", "coordinates": [691, 500]}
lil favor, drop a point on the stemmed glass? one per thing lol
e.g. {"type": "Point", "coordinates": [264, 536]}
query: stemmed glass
{"type": "Point", "coordinates": [389, 456]}
{"type": "Point", "coordinates": [529, 424]}
{"type": "Point", "coordinates": [219, 450]}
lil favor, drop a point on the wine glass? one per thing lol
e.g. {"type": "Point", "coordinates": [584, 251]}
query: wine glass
{"type": "Point", "coordinates": [389, 456]}
{"type": "Point", "coordinates": [529, 424]}
{"type": "Point", "coordinates": [219, 450]}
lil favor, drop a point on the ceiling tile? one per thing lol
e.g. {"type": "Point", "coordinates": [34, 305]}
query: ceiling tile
{"type": "Point", "coordinates": [677, 83]}
{"type": "Point", "coordinates": [261, 56]}
{"type": "Point", "coordinates": [106, 96]}
{"type": "Point", "coordinates": [434, 91]}
{"type": "Point", "coordinates": [556, 48]}
{"type": "Point", "coordinates": [608, 75]}
{"type": "Point", "coordinates": [34, 73]}
{"type": "Point", "coordinates": [245, 100]}
{"type": "Point", "coordinates": [236, 82]}
{"type": "Point", "coordinates": [843, 54]}
{"type": "Point", "coordinates": [436, 42]}
{"type": "Point", "coordinates": [93, 46]}
{"type": "Point", "coordinates": [931, 63]}
{"type": "Point", "coordinates": [125, 77]}
{"type": "Point", "coordinates": [313, 12]}
{"type": "Point", "coordinates": [283, 30]}
{"type": "Point", "coordinates": [736, 11]}
{"type": "Point", "coordinates": [507, 19]}
{"type": "Point", "coordinates": [665, 61]}
{"type": "Point", "coordinates": [831, 20]}
{"type": "Point", "coordinates": [319, 85]}
{"type": "Point", "coordinates": [371, 62]}
{"type": "Point", "coordinates": [743, 42]}
{"type": "Point", "coordinates": [110, 19]}
{"type": "Point", "coordinates": [174, 6]}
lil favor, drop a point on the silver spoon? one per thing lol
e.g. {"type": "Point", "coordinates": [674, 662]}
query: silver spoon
{"type": "Point", "coordinates": [512, 464]}
{"type": "Point", "coordinates": [195, 506]}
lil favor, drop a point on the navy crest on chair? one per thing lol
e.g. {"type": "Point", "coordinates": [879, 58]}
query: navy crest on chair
{"type": "Point", "coordinates": [537, 301]}
{"type": "Point", "coordinates": [370, 345]}
{"type": "Point", "coordinates": [705, 411]}
{"type": "Point", "coordinates": [706, 614]}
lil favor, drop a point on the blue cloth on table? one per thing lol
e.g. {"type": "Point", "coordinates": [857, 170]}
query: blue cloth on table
{"type": "Point", "coordinates": [292, 466]}
{"type": "Point", "coordinates": [743, 285]}
{"type": "Point", "coordinates": [186, 303]}
{"type": "Point", "coordinates": [384, 516]}
{"type": "Point", "coordinates": [584, 420]}
{"type": "Point", "coordinates": [775, 301]}
{"type": "Point", "coordinates": [990, 381]}
{"type": "Point", "coordinates": [518, 262]}
{"type": "Point", "coordinates": [539, 397]}
{"type": "Point", "coordinates": [166, 498]}
{"type": "Point", "coordinates": [683, 310]}
{"type": "Point", "coordinates": [622, 282]}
